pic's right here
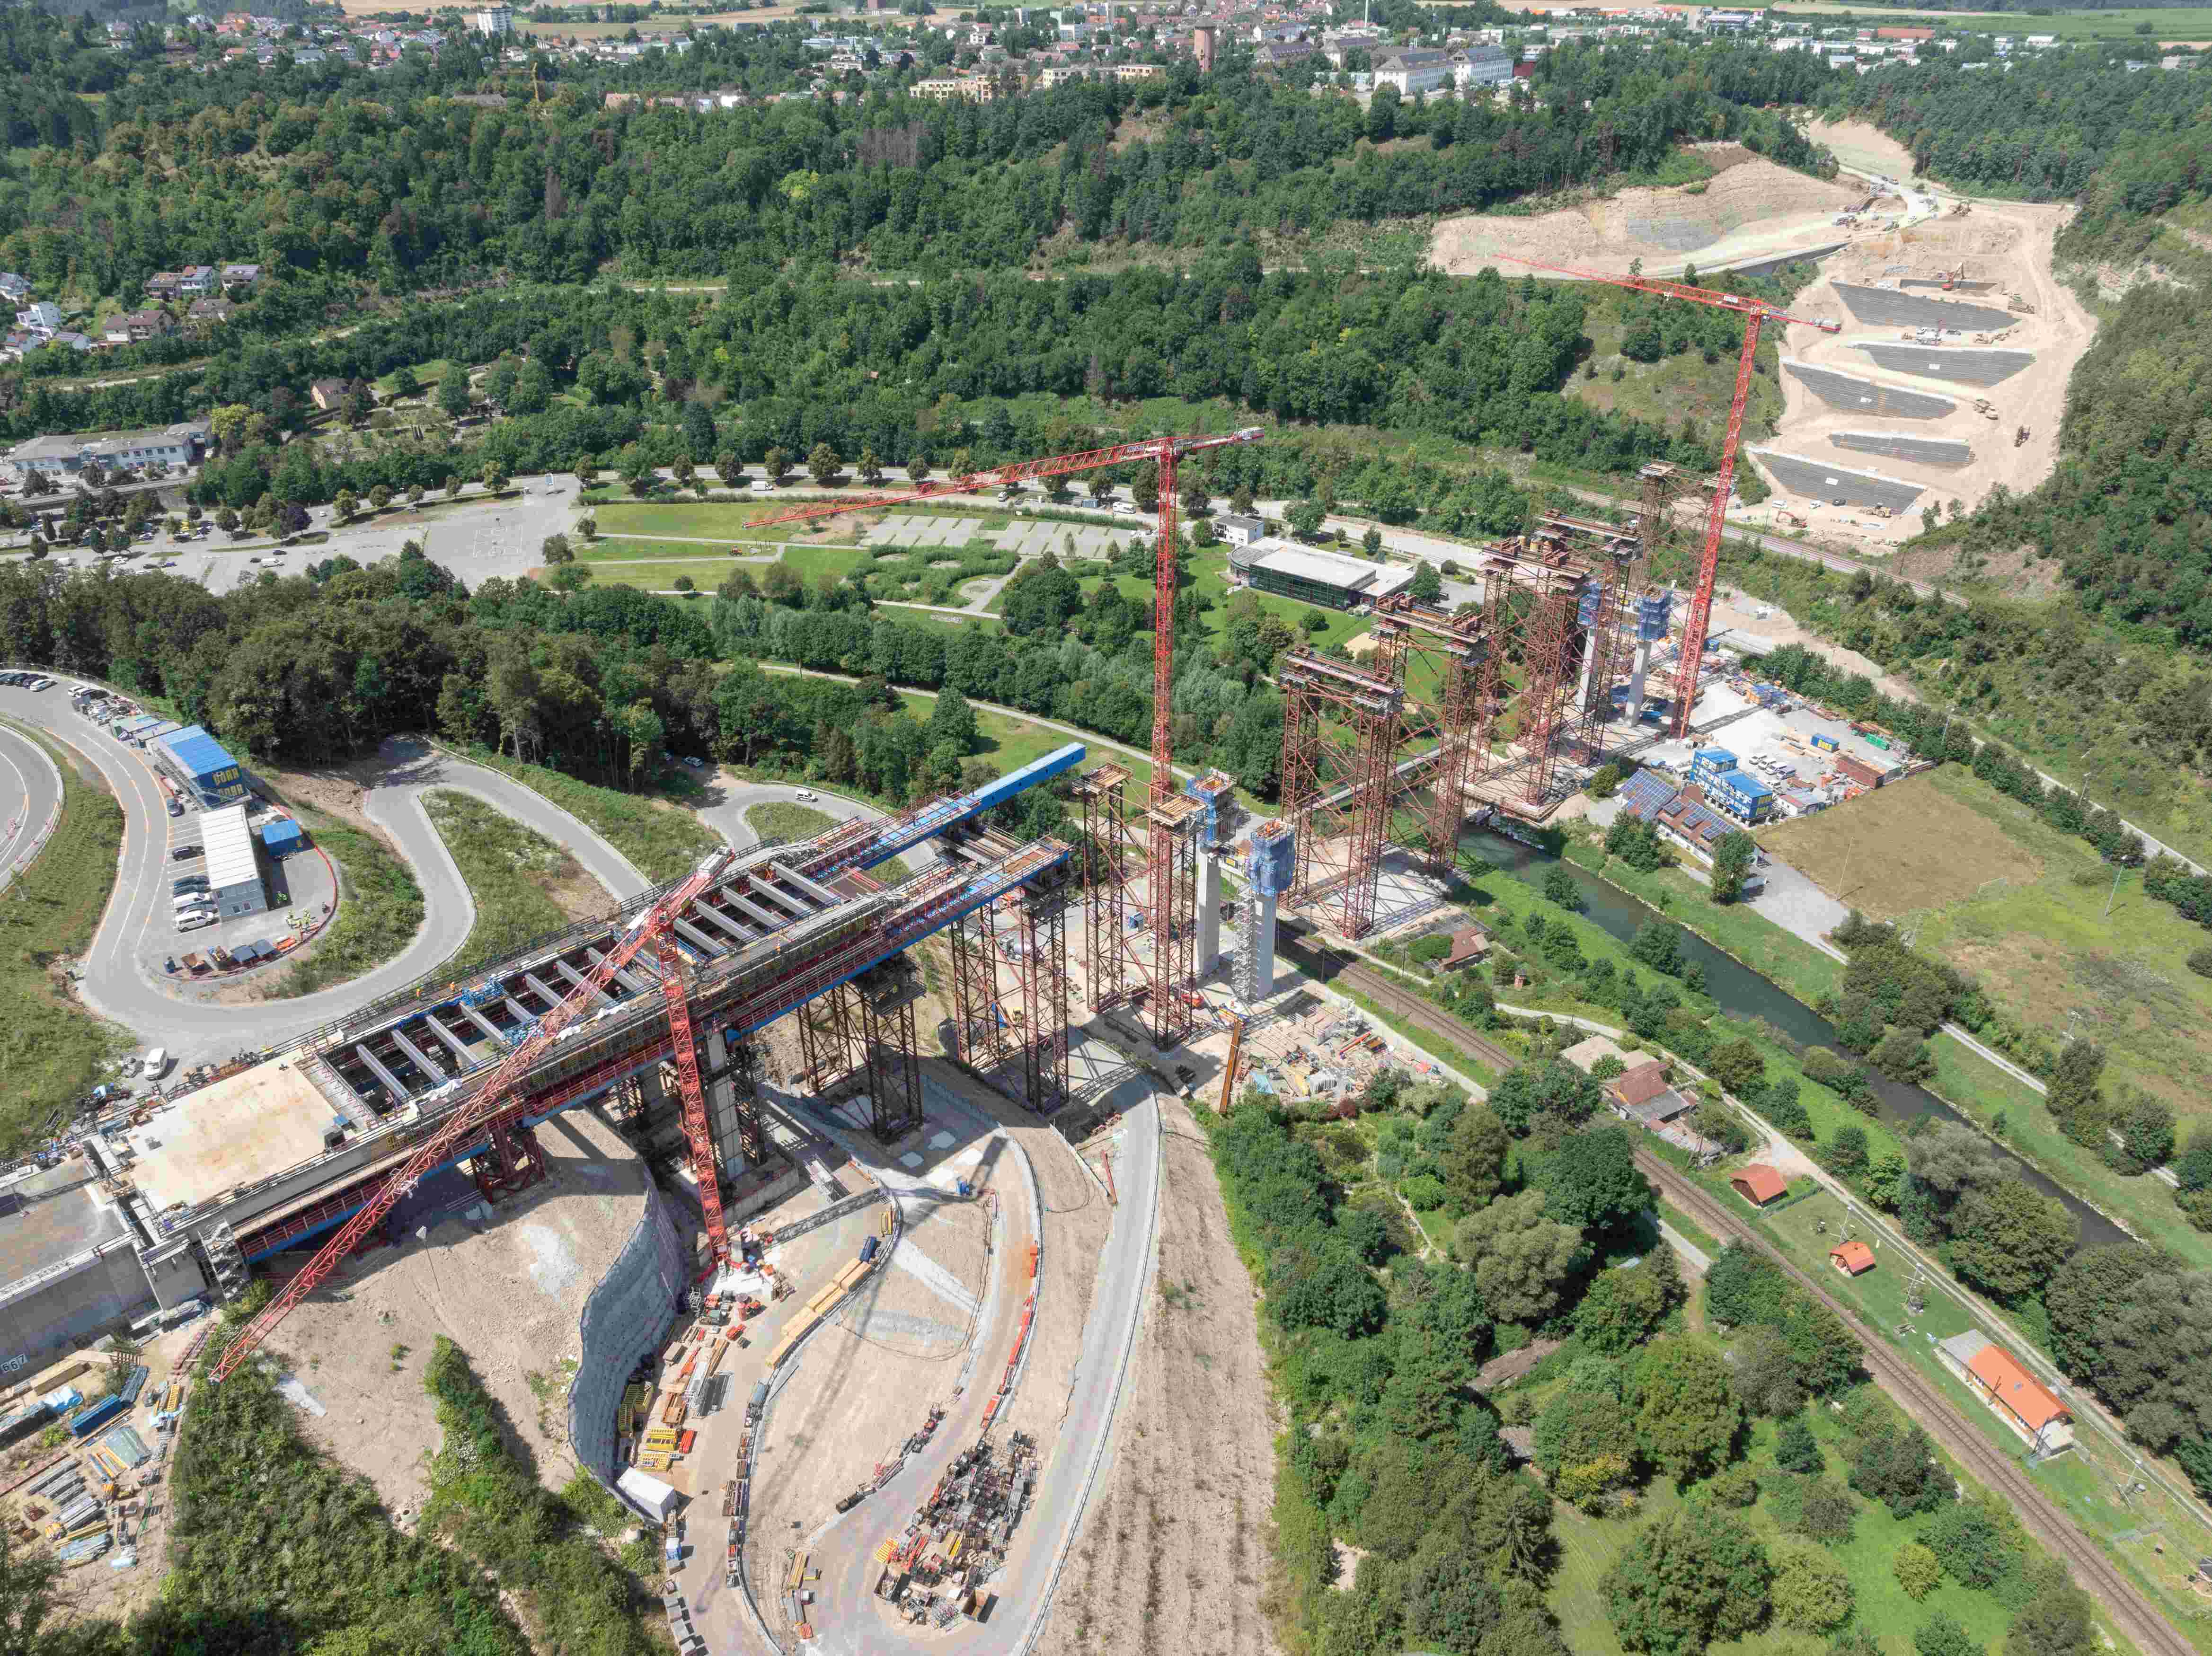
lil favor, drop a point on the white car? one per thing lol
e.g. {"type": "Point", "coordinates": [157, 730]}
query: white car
{"type": "Point", "coordinates": [156, 1062]}
{"type": "Point", "coordinates": [806, 794]}
{"type": "Point", "coordinates": [762, 486]}
{"type": "Point", "coordinates": [195, 920]}
{"type": "Point", "coordinates": [1124, 509]}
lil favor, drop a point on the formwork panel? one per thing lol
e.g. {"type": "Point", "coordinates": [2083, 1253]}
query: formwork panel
{"type": "Point", "coordinates": [1858, 395]}
{"type": "Point", "coordinates": [1966, 365]}
{"type": "Point", "coordinates": [1894, 308]}
{"type": "Point", "coordinates": [1821, 479]}
{"type": "Point", "coordinates": [1923, 450]}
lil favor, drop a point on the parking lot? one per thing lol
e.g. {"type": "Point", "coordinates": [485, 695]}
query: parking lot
{"type": "Point", "coordinates": [301, 893]}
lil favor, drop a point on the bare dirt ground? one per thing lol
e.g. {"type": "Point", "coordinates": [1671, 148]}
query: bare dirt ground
{"type": "Point", "coordinates": [1863, 145]}
{"type": "Point", "coordinates": [1752, 206]}
{"type": "Point", "coordinates": [2007, 244]}
{"type": "Point", "coordinates": [509, 1296]}
{"type": "Point", "coordinates": [1738, 610]}
{"type": "Point", "coordinates": [1172, 1556]}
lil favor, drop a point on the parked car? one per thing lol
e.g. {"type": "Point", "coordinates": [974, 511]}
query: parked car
{"type": "Point", "coordinates": [183, 853]}
{"type": "Point", "coordinates": [762, 486]}
{"type": "Point", "coordinates": [193, 922]}
{"type": "Point", "coordinates": [1124, 509]}
{"type": "Point", "coordinates": [694, 762]}
{"type": "Point", "coordinates": [807, 794]}
{"type": "Point", "coordinates": [157, 1061]}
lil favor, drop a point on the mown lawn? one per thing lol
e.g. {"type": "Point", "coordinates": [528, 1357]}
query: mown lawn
{"type": "Point", "coordinates": [51, 1048]}
{"type": "Point", "coordinates": [649, 577]}
{"type": "Point", "coordinates": [380, 908]}
{"type": "Point", "coordinates": [604, 550]}
{"type": "Point", "coordinates": [660, 840]}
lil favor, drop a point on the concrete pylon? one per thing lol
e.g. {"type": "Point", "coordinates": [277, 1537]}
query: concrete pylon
{"type": "Point", "coordinates": [1209, 911]}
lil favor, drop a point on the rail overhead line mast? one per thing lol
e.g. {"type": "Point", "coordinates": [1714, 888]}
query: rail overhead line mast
{"type": "Point", "coordinates": [1170, 889]}
{"type": "Point", "coordinates": [650, 927]}
{"type": "Point", "coordinates": [1756, 312]}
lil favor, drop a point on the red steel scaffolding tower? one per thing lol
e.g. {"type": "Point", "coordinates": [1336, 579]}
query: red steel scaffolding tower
{"type": "Point", "coordinates": [1756, 312]}
{"type": "Point", "coordinates": [1446, 666]}
{"type": "Point", "coordinates": [1341, 731]}
{"type": "Point", "coordinates": [1171, 889]}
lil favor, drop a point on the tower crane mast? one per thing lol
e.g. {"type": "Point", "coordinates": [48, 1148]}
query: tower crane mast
{"type": "Point", "coordinates": [1170, 1014]}
{"type": "Point", "coordinates": [1756, 312]}
{"type": "Point", "coordinates": [497, 1094]}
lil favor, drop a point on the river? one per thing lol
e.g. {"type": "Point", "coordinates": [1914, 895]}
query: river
{"type": "Point", "coordinates": [1743, 994]}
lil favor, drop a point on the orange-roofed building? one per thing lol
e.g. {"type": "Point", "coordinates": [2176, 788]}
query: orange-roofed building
{"type": "Point", "coordinates": [2017, 1397]}
{"type": "Point", "coordinates": [1851, 1257]}
{"type": "Point", "coordinates": [1758, 1184]}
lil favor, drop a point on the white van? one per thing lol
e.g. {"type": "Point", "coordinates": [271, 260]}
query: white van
{"type": "Point", "coordinates": [156, 1062]}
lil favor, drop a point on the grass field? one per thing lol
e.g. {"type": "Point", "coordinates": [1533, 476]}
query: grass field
{"type": "Point", "coordinates": [782, 820]}
{"type": "Point", "coordinates": [523, 885]}
{"type": "Point", "coordinates": [2179, 23]}
{"type": "Point", "coordinates": [642, 550]}
{"type": "Point", "coordinates": [380, 908]}
{"type": "Point", "coordinates": [51, 1048]}
{"type": "Point", "coordinates": [650, 577]}
{"type": "Point", "coordinates": [1915, 845]}
{"type": "Point", "coordinates": [662, 840]}
{"type": "Point", "coordinates": [2031, 913]}
{"type": "Point", "coordinates": [1674, 388]}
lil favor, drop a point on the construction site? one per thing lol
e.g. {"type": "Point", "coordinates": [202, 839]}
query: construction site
{"type": "Point", "coordinates": [784, 1198]}
{"type": "Point", "coordinates": [1944, 381]}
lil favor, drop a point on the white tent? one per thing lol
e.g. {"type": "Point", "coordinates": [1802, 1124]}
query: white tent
{"type": "Point", "coordinates": [649, 1496]}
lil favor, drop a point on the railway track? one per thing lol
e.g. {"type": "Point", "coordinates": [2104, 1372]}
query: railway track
{"type": "Point", "coordinates": [2130, 1612]}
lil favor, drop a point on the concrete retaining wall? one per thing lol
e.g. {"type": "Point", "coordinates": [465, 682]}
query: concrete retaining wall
{"type": "Point", "coordinates": [1906, 310]}
{"type": "Point", "coordinates": [1821, 479]}
{"type": "Point", "coordinates": [1861, 396]}
{"type": "Point", "coordinates": [1956, 286]}
{"type": "Point", "coordinates": [1966, 365]}
{"type": "Point", "coordinates": [629, 1314]}
{"type": "Point", "coordinates": [102, 1291]}
{"type": "Point", "coordinates": [1926, 451]}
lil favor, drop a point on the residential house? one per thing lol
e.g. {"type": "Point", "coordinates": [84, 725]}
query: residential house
{"type": "Point", "coordinates": [1239, 531]}
{"type": "Point", "coordinates": [943, 88]}
{"type": "Point", "coordinates": [136, 327]}
{"type": "Point", "coordinates": [1482, 66]}
{"type": "Point", "coordinates": [42, 318]}
{"type": "Point", "coordinates": [1645, 1096]}
{"type": "Point", "coordinates": [2014, 1395]}
{"type": "Point", "coordinates": [236, 276]}
{"type": "Point", "coordinates": [14, 288]}
{"type": "Point", "coordinates": [329, 394]}
{"type": "Point", "coordinates": [1468, 946]}
{"type": "Point", "coordinates": [164, 284]}
{"type": "Point", "coordinates": [212, 311]}
{"type": "Point", "coordinates": [195, 280]}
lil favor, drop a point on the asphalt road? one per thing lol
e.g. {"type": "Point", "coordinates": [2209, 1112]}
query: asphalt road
{"type": "Point", "coordinates": [847, 1619]}
{"type": "Point", "coordinates": [30, 794]}
{"type": "Point", "coordinates": [732, 799]}
{"type": "Point", "coordinates": [122, 979]}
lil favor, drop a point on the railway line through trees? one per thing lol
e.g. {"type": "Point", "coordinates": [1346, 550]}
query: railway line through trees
{"type": "Point", "coordinates": [2130, 1612]}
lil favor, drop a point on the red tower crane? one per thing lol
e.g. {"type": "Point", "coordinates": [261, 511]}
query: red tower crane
{"type": "Point", "coordinates": [1756, 312]}
{"type": "Point", "coordinates": [650, 927]}
{"type": "Point", "coordinates": [1171, 1016]}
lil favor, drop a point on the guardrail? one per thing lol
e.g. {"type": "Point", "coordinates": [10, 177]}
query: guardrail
{"type": "Point", "coordinates": [27, 855]}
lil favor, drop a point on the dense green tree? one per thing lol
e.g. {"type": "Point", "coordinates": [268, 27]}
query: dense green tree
{"type": "Point", "coordinates": [1591, 1180]}
{"type": "Point", "coordinates": [1812, 1591]}
{"type": "Point", "coordinates": [1686, 1417]}
{"type": "Point", "coordinates": [1917, 1570]}
{"type": "Point", "coordinates": [1735, 855]}
{"type": "Point", "coordinates": [1939, 1636]}
{"type": "Point", "coordinates": [1473, 1159]}
{"type": "Point", "coordinates": [2008, 1240]}
{"type": "Point", "coordinates": [1685, 1580]}
{"type": "Point", "coordinates": [1796, 1449]}
{"type": "Point", "coordinates": [1523, 1261]}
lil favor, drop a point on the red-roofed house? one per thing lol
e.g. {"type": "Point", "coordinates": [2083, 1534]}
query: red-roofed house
{"type": "Point", "coordinates": [1851, 1257]}
{"type": "Point", "coordinates": [1758, 1184]}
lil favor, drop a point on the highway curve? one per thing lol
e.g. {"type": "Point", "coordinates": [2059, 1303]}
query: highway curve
{"type": "Point", "coordinates": [2131, 1613]}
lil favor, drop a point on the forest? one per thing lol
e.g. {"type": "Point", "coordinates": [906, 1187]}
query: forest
{"type": "Point", "coordinates": [322, 172]}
